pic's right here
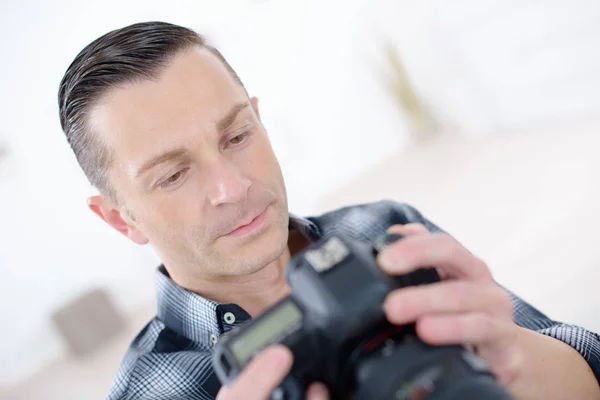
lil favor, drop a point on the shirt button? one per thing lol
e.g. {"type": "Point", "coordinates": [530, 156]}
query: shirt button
{"type": "Point", "coordinates": [213, 338]}
{"type": "Point", "coordinates": [229, 317]}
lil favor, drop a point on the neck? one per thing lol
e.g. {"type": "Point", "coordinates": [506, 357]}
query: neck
{"type": "Point", "coordinates": [255, 292]}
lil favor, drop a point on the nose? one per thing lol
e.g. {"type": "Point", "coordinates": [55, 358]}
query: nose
{"type": "Point", "coordinates": [227, 185]}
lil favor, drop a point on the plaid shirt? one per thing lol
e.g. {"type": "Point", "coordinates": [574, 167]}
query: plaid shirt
{"type": "Point", "coordinates": [171, 356]}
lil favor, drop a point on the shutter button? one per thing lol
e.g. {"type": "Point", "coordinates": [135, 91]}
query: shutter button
{"type": "Point", "coordinates": [213, 338]}
{"type": "Point", "coordinates": [229, 317]}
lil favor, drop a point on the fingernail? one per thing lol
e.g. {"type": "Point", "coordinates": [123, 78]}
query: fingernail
{"type": "Point", "coordinates": [390, 261]}
{"type": "Point", "coordinates": [395, 229]}
{"type": "Point", "coordinates": [317, 391]}
{"type": "Point", "coordinates": [279, 355]}
{"type": "Point", "coordinates": [385, 260]}
{"type": "Point", "coordinates": [393, 310]}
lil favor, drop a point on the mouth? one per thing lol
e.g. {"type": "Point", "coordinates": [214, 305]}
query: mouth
{"type": "Point", "coordinates": [254, 226]}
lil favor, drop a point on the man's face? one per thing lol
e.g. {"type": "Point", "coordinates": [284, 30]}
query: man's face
{"type": "Point", "coordinates": [193, 164]}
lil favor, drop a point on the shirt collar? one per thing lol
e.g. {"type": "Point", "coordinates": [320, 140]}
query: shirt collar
{"type": "Point", "coordinates": [201, 319]}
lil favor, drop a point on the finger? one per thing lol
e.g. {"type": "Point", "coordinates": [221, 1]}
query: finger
{"type": "Point", "coordinates": [408, 229]}
{"type": "Point", "coordinates": [317, 391]}
{"type": "Point", "coordinates": [439, 250]}
{"type": "Point", "coordinates": [261, 376]}
{"type": "Point", "coordinates": [408, 304]}
{"type": "Point", "coordinates": [412, 229]}
{"type": "Point", "coordinates": [494, 339]}
{"type": "Point", "coordinates": [477, 328]}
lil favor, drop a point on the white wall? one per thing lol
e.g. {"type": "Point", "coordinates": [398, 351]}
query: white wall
{"type": "Point", "coordinates": [483, 65]}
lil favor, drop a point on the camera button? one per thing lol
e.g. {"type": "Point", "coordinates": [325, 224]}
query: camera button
{"type": "Point", "coordinates": [229, 317]}
{"type": "Point", "coordinates": [213, 338]}
{"type": "Point", "coordinates": [278, 394]}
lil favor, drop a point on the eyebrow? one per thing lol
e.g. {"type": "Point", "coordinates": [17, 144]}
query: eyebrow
{"type": "Point", "coordinates": [164, 157]}
{"type": "Point", "coordinates": [228, 120]}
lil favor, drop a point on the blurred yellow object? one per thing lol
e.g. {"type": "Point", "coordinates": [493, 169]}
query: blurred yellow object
{"type": "Point", "coordinates": [406, 96]}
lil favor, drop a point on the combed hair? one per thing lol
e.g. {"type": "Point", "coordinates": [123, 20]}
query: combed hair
{"type": "Point", "coordinates": [127, 55]}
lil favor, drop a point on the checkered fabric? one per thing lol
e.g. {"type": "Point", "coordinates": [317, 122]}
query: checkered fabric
{"type": "Point", "coordinates": [171, 356]}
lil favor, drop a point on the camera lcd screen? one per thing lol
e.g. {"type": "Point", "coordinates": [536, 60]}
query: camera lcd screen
{"type": "Point", "coordinates": [271, 327]}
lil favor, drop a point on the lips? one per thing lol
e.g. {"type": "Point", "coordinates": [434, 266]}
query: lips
{"type": "Point", "coordinates": [246, 221]}
{"type": "Point", "coordinates": [244, 224]}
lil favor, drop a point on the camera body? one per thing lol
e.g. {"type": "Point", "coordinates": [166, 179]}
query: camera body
{"type": "Point", "coordinates": [335, 325]}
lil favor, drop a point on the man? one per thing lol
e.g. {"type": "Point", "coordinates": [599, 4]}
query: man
{"type": "Point", "coordinates": [164, 128]}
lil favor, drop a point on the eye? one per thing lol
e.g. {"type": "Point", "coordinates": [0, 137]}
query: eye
{"type": "Point", "coordinates": [238, 139]}
{"type": "Point", "coordinates": [172, 179]}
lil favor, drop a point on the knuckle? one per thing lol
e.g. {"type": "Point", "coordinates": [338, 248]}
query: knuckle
{"type": "Point", "coordinates": [480, 263]}
{"type": "Point", "coordinates": [505, 302]}
{"type": "Point", "coordinates": [448, 246]}
{"type": "Point", "coordinates": [482, 267]}
{"type": "Point", "coordinates": [445, 241]}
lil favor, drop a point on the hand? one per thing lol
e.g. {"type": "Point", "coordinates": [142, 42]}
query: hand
{"type": "Point", "coordinates": [262, 376]}
{"type": "Point", "coordinates": [465, 308]}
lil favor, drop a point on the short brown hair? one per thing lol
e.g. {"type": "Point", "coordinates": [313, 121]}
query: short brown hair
{"type": "Point", "coordinates": [126, 55]}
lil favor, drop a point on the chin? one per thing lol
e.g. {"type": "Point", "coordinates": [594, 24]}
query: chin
{"type": "Point", "coordinates": [260, 252]}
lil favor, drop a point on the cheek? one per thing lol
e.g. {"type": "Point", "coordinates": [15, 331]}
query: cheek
{"type": "Point", "coordinates": [261, 163]}
{"type": "Point", "coordinates": [170, 219]}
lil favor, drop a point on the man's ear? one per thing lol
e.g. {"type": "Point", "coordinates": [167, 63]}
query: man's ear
{"type": "Point", "coordinates": [254, 101]}
{"type": "Point", "coordinates": [112, 215]}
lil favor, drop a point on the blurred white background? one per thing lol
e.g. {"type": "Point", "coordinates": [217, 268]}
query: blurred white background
{"type": "Point", "coordinates": [514, 174]}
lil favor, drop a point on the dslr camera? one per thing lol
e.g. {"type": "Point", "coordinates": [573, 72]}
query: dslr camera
{"type": "Point", "coordinates": [334, 323]}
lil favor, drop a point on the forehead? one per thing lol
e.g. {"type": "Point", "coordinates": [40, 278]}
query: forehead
{"type": "Point", "coordinates": [188, 97]}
